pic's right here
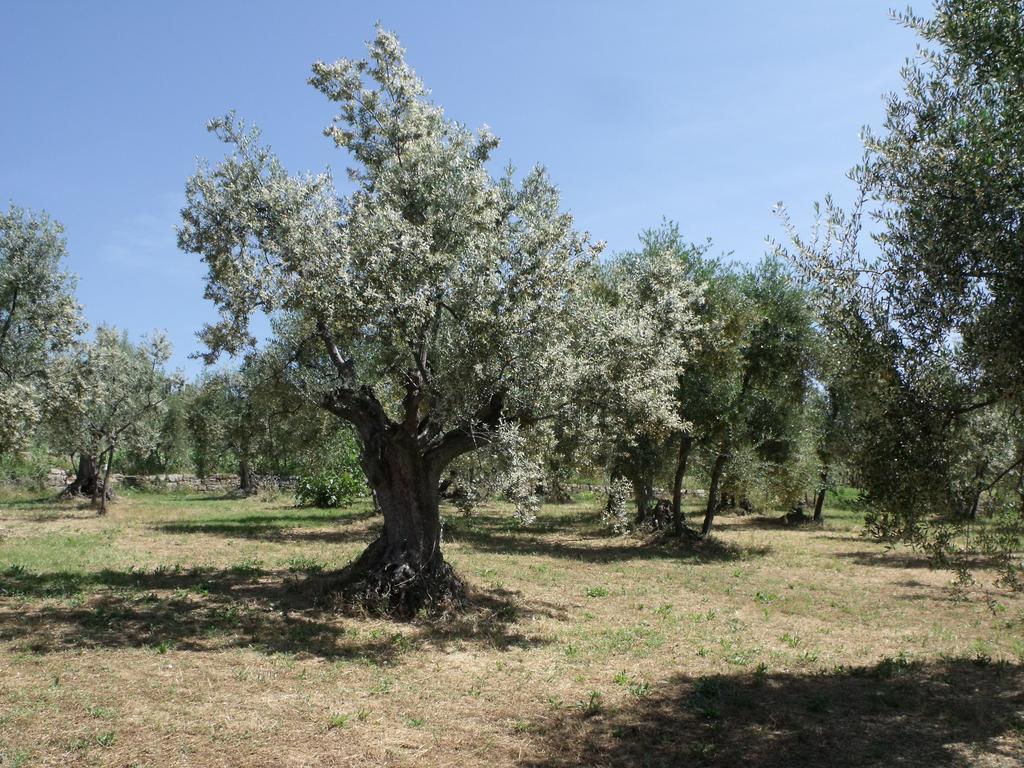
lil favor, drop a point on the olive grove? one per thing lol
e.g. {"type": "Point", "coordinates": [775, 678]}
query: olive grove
{"type": "Point", "coordinates": [442, 332]}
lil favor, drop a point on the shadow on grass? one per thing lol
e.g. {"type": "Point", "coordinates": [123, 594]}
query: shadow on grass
{"type": "Point", "coordinates": [908, 559]}
{"type": "Point", "coordinates": [954, 713]}
{"type": "Point", "coordinates": [35, 501]}
{"type": "Point", "coordinates": [766, 522]}
{"type": "Point", "coordinates": [50, 507]}
{"type": "Point", "coordinates": [283, 527]}
{"type": "Point", "coordinates": [204, 609]}
{"type": "Point", "coordinates": [547, 538]}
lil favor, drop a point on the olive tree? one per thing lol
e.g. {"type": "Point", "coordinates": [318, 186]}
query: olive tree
{"type": "Point", "coordinates": [39, 318]}
{"type": "Point", "coordinates": [444, 299]}
{"type": "Point", "coordinates": [752, 384]}
{"type": "Point", "coordinates": [226, 426]}
{"type": "Point", "coordinates": [646, 329]}
{"type": "Point", "coordinates": [115, 397]}
{"type": "Point", "coordinates": [256, 419]}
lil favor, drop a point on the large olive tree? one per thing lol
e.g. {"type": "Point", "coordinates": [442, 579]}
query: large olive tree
{"type": "Point", "coordinates": [443, 298]}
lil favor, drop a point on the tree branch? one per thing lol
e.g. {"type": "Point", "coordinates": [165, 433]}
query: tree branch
{"type": "Point", "coordinates": [469, 436]}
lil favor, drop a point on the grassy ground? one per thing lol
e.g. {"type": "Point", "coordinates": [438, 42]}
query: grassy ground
{"type": "Point", "coordinates": [175, 632]}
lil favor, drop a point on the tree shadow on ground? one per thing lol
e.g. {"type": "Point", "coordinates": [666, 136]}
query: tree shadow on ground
{"type": "Point", "coordinates": [271, 527]}
{"type": "Point", "coordinates": [955, 713]}
{"type": "Point", "coordinates": [777, 523]}
{"type": "Point", "coordinates": [890, 558]}
{"type": "Point", "coordinates": [47, 509]}
{"type": "Point", "coordinates": [495, 534]}
{"type": "Point", "coordinates": [204, 609]}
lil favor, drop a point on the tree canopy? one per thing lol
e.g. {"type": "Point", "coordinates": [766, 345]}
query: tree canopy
{"type": "Point", "coordinates": [39, 318]}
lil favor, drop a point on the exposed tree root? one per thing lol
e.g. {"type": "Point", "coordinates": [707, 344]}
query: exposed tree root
{"type": "Point", "coordinates": [387, 582]}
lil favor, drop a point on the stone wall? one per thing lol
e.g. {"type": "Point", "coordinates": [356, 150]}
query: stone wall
{"type": "Point", "coordinates": [658, 492]}
{"type": "Point", "coordinates": [59, 478]}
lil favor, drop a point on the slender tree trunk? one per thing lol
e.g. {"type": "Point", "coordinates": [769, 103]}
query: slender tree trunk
{"type": "Point", "coordinates": [403, 570]}
{"type": "Point", "coordinates": [972, 515]}
{"type": "Point", "coordinates": [643, 491]}
{"type": "Point", "coordinates": [106, 493]}
{"type": "Point", "coordinates": [678, 523]}
{"type": "Point", "coordinates": [716, 478]}
{"type": "Point", "coordinates": [819, 499]}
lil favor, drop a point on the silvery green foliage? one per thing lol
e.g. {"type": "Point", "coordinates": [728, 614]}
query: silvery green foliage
{"type": "Point", "coordinates": [471, 493]}
{"type": "Point", "coordinates": [38, 319]}
{"type": "Point", "coordinates": [646, 328]}
{"type": "Point", "coordinates": [944, 181]}
{"type": "Point", "coordinates": [115, 395]}
{"type": "Point", "coordinates": [616, 512]}
{"type": "Point", "coordinates": [520, 473]}
{"type": "Point", "coordinates": [506, 467]}
{"type": "Point", "coordinates": [442, 297]}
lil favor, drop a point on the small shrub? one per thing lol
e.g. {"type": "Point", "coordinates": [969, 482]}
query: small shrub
{"type": "Point", "coordinates": [25, 470]}
{"type": "Point", "coordinates": [106, 739]}
{"type": "Point", "coordinates": [328, 489]}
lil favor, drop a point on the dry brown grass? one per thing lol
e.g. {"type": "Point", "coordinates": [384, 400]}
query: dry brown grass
{"type": "Point", "coordinates": [176, 632]}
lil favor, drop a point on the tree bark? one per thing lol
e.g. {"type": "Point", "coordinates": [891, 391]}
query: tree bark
{"type": "Point", "coordinates": [678, 523]}
{"type": "Point", "coordinates": [819, 500]}
{"type": "Point", "coordinates": [712, 507]}
{"type": "Point", "coordinates": [402, 571]}
{"type": "Point", "coordinates": [106, 493]}
{"type": "Point", "coordinates": [246, 479]}
{"type": "Point", "coordinates": [87, 478]}
{"type": "Point", "coordinates": [643, 492]}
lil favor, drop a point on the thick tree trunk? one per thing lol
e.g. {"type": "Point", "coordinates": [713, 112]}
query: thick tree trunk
{"type": "Point", "coordinates": [713, 493]}
{"type": "Point", "coordinates": [246, 478]}
{"type": "Point", "coordinates": [403, 570]}
{"type": "Point", "coordinates": [819, 500]}
{"type": "Point", "coordinates": [87, 479]}
{"type": "Point", "coordinates": [643, 492]}
{"type": "Point", "coordinates": [678, 523]}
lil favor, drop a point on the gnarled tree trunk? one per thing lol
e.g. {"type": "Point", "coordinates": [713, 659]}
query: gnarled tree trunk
{"type": "Point", "coordinates": [88, 481]}
{"type": "Point", "coordinates": [403, 570]}
{"type": "Point", "coordinates": [643, 494]}
{"type": "Point", "coordinates": [87, 478]}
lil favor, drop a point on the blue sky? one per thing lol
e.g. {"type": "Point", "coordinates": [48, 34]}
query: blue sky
{"type": "Point", "coordinates": [706, 113]}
